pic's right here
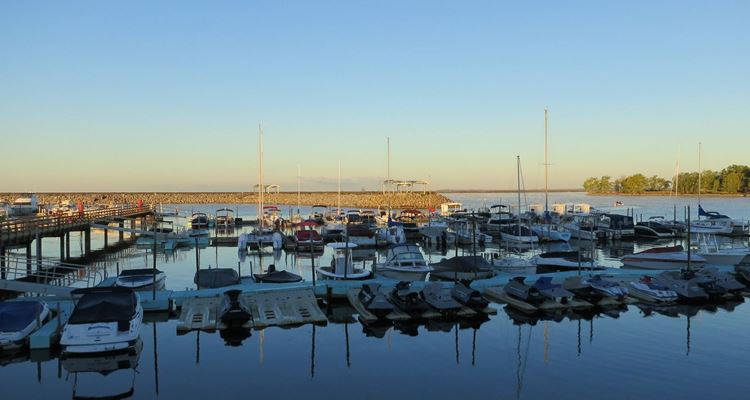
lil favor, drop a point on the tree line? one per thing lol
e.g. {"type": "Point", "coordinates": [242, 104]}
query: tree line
{"type": "Point", "coordinates": [732, 179]}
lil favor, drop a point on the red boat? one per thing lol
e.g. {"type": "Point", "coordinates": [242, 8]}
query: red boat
{"type": "Point", "coordinates": [307, 237]}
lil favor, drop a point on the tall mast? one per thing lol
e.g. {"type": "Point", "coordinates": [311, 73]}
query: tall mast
{"type": "Point", "coordinates": [546, 164]}
{"type": "Point", "coordinates": [298, 189]}
{"type": "Point", "coordinates": [700, 172]}
{"type": "Point", "coordinates": [388, 174]}
{"type": "Point", "coordinates": [518, 172]}
{"type": "Point", "coordinates": [338, 201]}
{"type": "Point", "coordinates": [260, 180]}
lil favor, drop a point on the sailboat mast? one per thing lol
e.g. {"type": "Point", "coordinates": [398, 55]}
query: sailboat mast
{"type": "Point", "coordinates": [518, 178]}
{"type": "Point", "coordinates": [700, 172]}
{"type": "Point", "coordinates": [388, 173]}
{"type": "Point", "coordinates": [298, 189]}
{"type": "Point", "coordinates": [546, 165]}
{"type": "Point", "coordinates": [338, 201]}
{"type": "Point", "coordinates": [260, 182]}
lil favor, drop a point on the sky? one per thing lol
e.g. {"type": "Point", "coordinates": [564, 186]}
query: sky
{"type": "Point", "coordinates": [169, 95]}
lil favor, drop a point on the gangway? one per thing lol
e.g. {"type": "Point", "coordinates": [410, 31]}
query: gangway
{"type": "Point", "coordinates": [49, 278]}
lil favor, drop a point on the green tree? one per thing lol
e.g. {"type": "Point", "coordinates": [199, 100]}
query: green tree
{"type": "Point", "coordinates": [732, 182]}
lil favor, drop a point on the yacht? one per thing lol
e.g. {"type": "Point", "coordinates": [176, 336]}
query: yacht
{"type": "Point", "coordinates": [404, 262]}
{"type": "Point", "coordinates": [104, 320]}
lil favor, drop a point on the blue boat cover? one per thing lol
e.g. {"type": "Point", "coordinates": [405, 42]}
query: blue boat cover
{"type": "Point", "coordinates": [17, 315]}
{"type": "Point", "coordinates": [111, 306]}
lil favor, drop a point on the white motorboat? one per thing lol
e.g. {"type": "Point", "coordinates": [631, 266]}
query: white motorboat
{"type": "Point", "coordinates": [709, 249]}
{"type": "Point", "coordinates": [104, 320]}
{"type": "Point", "coordinates": [648, 290]}
{"type": "Point", "coordinates": [555, 261]}
{"type": "Point", "coordinates": [141, 278]}
{"type": "Point", "coordinates": [342, 265]}
{"type": "Point", "coordinates": [712, 226]}
{"type": "Point", "coordinates": [518, 233]}
{"type": "Point", "coordinates": [392, 234]}
{"type": "Point", "coordinates": [513, 265]}
{"type": "Point", "coordinates": [551, 232]}
{"type": "Point", "coordinates": [19, 319]}
{"type": "Point", "coordinates": [404, 262]}
{"type": "Point", "coordinates": [663, 258]}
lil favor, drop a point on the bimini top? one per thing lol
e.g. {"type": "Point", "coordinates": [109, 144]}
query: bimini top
{"type": "Point", "coordinates": [17, 315]}
{"type": "Point", "coordinates": [104, 306]}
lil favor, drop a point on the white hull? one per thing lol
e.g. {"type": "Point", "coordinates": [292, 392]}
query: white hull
{"type": "Point", "coordinates": [519, 239]}
{"type": "Point", "coordinates": [326, 273]}
{"type": "Point", "coordinates": [101, 337]}
{"type": "Point", "coordinates": [550, 235]}
{"type": "Point", "coordinates": [660, 264]}
{"type": "Point", "coordinates": [723, 258]}
{"type": "Point", "coordinates": [402, 275]}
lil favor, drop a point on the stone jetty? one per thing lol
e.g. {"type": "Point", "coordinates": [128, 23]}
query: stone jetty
{"type": "Point", "coordinates": [348, 199]}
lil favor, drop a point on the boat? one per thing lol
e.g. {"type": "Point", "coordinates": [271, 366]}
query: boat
{"type": "Point", "coordinates": [513, 265]}
{"type": "Point", "coordinates": [462, 268]}
{"type": "Point", "coordinates": [342, 265]}
{"type": "Point", "coordinates": [498, 219]}
{"type": "Point", "coordinates": [27, 204]}
{"type": "Point", "coordinates": [141, 278]}
{"type": "Point", "coordinates": [361, 235]}
{"type": "Point", "coordinates": [434, 229]}
{"type": "Point", "coordinates": [224, 219]}
{"type": "Point", "coordinates": [687, 285]}
{"type": "Point", "coordinates": [583, 227]}
{"type": "Point", "coordinates": [317, 214]}
{"type": "Point", "coordinates": [654, 228]}
{"type": "Point", "coordinates": [404, 262]}
{"type": "Point", "coordinates": [393, 234]}
{"type": "Point", "coordinates": [104, 320]}
{"type": "Point", "coordinates": [721, 278]}
{"type": "Point", "coordinates": [555, 261]}
{"type": "Point", "coordinates": [374, 300]}
{"type": "Point", "coordinates": [216, 278]}
{"type": "Point", "coordinates": [307, 238]}
{"type": "Point", "coordinates": [595, 288]}
{"type": "Point", "coordinates": [234, 311]}
{"type": "Point", "coordinates": [448, 209]}
{"type": "Point", "coordinates": [616, 226]}
{"type": "Point", "coordinates": [274, 276]}
{"type": "Point", "coordinates": [673, 257]}
{"type": "Point", "coordinates": [517, 233]}
{"type": "Point", "coordinates": [19, 319]}
{"type": "Point", "coordinates": [718, 224]}
{"type": "Point", "coordinates": [709, 249]}
{"type": "Point", "coordinates": [464, 294]}
{"type": "Point", "coordinates": [439, 297]}
{"type": "Point", "coordinates": [541, 291]}
{"type": "Point", "coordinates": [199, 221]}
{"type": "Point", "coordinates": [649, 290]}
{"type": "Point", "coordinates": [743, 273]}
{"type": "Point", "coordinates": [608, 288]}
{"type": "Point", "coordinates": [408, 299]}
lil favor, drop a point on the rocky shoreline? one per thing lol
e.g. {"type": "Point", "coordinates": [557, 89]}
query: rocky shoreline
{"type": "Point", "coordinates": [348, 199]}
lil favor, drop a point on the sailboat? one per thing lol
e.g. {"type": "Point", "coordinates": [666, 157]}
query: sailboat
{"type": "Point", "coordinates": [547, 230]}
{"type": "Point", "coordinates": [713, 222]}
{"type": "Point", "coordinates": [517, 233]}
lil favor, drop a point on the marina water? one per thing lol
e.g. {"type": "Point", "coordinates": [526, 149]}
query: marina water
{"type": "Point", "coordinates": [688, 352]}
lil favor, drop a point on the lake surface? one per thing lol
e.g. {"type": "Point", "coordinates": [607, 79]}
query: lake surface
{"type": "Point", "coordinates": [678, 352]}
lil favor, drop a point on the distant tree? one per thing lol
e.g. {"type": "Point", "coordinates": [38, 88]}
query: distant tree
{"type": "Point", "coordinates": [732, 182]}
{"type": "Point", "coordinates": [634, 184]}
{"type": "Point", "coordinates": [591, 185]}
{"type": "Point", "coordinates": [605, 184]}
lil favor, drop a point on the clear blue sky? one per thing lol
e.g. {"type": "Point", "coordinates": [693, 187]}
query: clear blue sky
{"type": "Point", "coordinates": [168, 95]}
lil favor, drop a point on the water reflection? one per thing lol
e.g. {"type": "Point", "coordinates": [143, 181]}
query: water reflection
{"type": "Point", "coordinates": [104, 376]}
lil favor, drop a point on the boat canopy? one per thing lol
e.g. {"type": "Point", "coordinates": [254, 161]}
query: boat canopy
{"type": "Point", "coordinates": [17, 315]}
{"type": "Point", "coordinates": [463, 263]}
{"type": "Point", "coordinates": [139, 271]}
{"type": "Point", "coordinates": [112, 305]}
{"type": "Point", "coordinates": [216, 277]}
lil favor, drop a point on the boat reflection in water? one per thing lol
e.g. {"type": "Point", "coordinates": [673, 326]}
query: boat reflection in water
{"type": "Point", "coordinates": [106, 376]}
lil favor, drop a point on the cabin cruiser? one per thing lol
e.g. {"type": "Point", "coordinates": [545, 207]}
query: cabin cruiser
{"type": "Point", "coordinates": [617, 226]}
{"type": "Point", "coordinates": [19, 319]}
{"type": "Point", "coordinates": [541, 291]}
{"type": "Point", "coordinates": [649, 290]}
{"type": "Point", "coordinates": [408, 299]}
{"type": "Point", "coordinates": [654, 228]}
{"type": "Point", "coordinates": [216, 278]}
{"type": "Point", "coordinates": [104, 320]}
{"type": "Point", "coordinates": [555, 261]}
{"type": "Point", "coordinates": [27, 204]}
{"type": "Point", "coordinates": [462, 268]}
{"type": "Point", "coordinates": [464, 294]}
{"type": "Point", "coordinates": [374, 300]}
{"type": "Point", "coordinates": [439, 297]}
{"type": "Point", "coordinates": [709, 249]}
{"type": "Point", "coordinates": [551, 232]}
{"type": "Point", "coordinates": [673, 257]}
{"type": "Point", "coordinates": [404, 262]}
{"type": "Point", "coordinates": [718, 224]}
{"type": "Point", "coordinates": [342, 265]}
{"type": "Point", "coordinates": [517, 233]}
{"type": "Point", "coordinates": [199, 221]}
{"type": "Point", "coordinates": [141, 278]}
{"type": "Point", "coordinates": [307, 238]}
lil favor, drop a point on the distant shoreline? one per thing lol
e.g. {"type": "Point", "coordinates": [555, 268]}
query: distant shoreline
{"type": "Point", "coordinates": [667, 194]}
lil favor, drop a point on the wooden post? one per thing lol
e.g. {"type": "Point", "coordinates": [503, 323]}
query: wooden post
{"type": "Point", "coordinates": [106, 231]}
{"type": "Point", "coordinates": [86, 241]}
{"type": "Point", "coordinates": [2, 261]}
{"type": "Point", "coordinates": [121, 233]}
{"type": "Point", "coordinates": [197, 265]}
{"type": "Point", "coordinates": [38, 253]}
{"type": "Point", "coordinates": [62, 248]}
{"type": "Point", "coordinates": [67, 245]}
{"type": "Point", "coordinates": [28, 258]}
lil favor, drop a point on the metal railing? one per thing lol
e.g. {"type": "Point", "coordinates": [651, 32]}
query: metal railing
{"type": "Point", "coordinates": [49, 272]}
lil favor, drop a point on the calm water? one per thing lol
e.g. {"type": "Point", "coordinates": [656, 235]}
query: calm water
{"type": "Point", "coordinates": [680, 352]}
